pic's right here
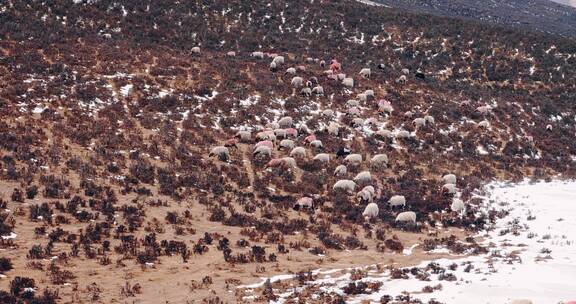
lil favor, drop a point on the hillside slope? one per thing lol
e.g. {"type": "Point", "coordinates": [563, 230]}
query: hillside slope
{"type": "Point", "coordinates": [108, 192]}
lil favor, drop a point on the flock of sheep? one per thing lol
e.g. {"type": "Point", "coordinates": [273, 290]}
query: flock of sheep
{"type": "Point", "coordinates": [283, 135]}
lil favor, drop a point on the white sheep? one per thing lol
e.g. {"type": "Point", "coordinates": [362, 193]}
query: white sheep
{"type": "Point", "coordinates": [369, 93]}
{"type": "Point", "coordinates": [457, 205]}
{"type": "Point", "coordinates": [379, 160]}
{"type": "Point", "coordinates": [484, 124]}
{"type": "Point", "coordinates": [258, 55]}
{"type": "Point", "coordinates": [286, 144]}
{"type": "Point", "coordinates": [333, 128]}
{"type": "Point", "coordinates": [231, 54]}
{"type": "Point", "coordinates": [289, 161]}
{"type": "Point", "coordinates": [196, 50]}
{"type": "Point", "coordinates": [306, 92]}
{"type": "Point", "coordinates": [401, 79]}
{"type": "Point", "coordinates": [345, 184]}
{"type": "Point", "coordinates": [290, 71]}
{"type": "Point", "coordinates": [483, 109]}
{"type": "Point", "coordinates": [298, 152]}
{"type": "Point", "coordinates": [384, 133]}
{"type": "Point", "coordinates": [297, 81]}
{"type": "Point", "coordinates": [348, 82]}
{"type": "Point", "coordinates": [222, 152]}
{"type": "Point", "coordinates": [328, 112]}
{"type": "Point", "coordinates": [278, 60]}
{"type": "Point", "coordinates": [397, 200]}
{"type": "Point", "coordinates": [419, 122]}
{"type": "Point", "coordinates": [285, 122]}
{"type": "Point", "coordinates": [244, 136]}
{"type": "Point", "coordinates": [280, 133]}
{"type": "Point", "coordinates": [402, 134]}
{"type": "Point", "coordinates": [364, 196]}
{"type": "Point", "coordinates": [340, 170]}
{"type": "Point", "coordinates": [263, 150]}
{"type": "Point", "coordinates": [352, 103]}
{"type": "Point", "coordinates": [449, 179]}
{"type": "Point", "coordinates": [318, 90]}
{"type": "Point", "coordinates": [449, 188]}
{"type": "Point", "coordinates": [370, 189]}
{"type": "Point", "coordinates": [304, 202]}
{"type": "Point", "coordinates": [405, 71]}
{"type": "Point", "coordinates": [357, 122]}
{"type": "Point", "coordinates": [365, 72]}
{"type": "Point", "coordinates": [371, 211]}
{"type": "Point", "coordinates": [429, 119]}
{"type": "Point", "coordinates": [341, 76]}
{"type": "Point", "coordinates": [408, 216]}
{"type": "Point", "coordinates": [273, 66]}
{"type": "Point", "coordinates": [362, 97]}
{"type": "Point", "coordinates": [322, 157]}
{"type": "Point", "coordinates": [354, 159]}
{"type": "Point", "coordinates": [363, 177]}
{"type": "Point", "coordinates": [316, 143]}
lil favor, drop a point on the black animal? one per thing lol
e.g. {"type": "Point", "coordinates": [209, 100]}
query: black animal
{"type": "Point", "coordinates": [342, 152]}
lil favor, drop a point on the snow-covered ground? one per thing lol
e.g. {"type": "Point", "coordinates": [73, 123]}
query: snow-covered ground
{"type": "Point", "coordinates": [533, 254]}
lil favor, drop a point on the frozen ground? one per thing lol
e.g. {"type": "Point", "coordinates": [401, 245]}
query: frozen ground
{"type": "Point", "coordinates": [533, 254]}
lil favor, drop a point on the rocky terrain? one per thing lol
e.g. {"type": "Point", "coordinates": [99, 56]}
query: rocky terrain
{"type": "Point", "coordinates": [534, 15]}
{"type": "Point", "coordinates": [110, 111]}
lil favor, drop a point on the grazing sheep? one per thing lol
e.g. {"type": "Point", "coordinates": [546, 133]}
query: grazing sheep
{"type": "Point", "coordinates": [402, 134]}
{"type": "Point", "coordinates": [364, 196]}
{"type": "Point", "coordinates": [369, 93]}
{"type": "Point", "coordinates": [291, 132]}
{"type": "Point", "coordinates": [429, 119]}
{"type": "Point", "coordinates": [370, 189]}
{"type": "Point", "coordinates": [316, 143]}
{"type": "Point", "coordinates": [306, 92]}
{"type": "Point", "coordinates": [548, 127]}
{"type": "Point", "coordinates": [275, 162]}
{"type": "Point", "coordinates": [401, 79]}
{"type": "Point", "coordinates": [379, 160]}
{"type": "Point", "coordinates": [301, 68]}
{"type": "Point", "coordinates": [304, 202]}
{"type": "Point", "coordinates": [457, 205]}
{"type": "Point", "coordinates": [333, 128]}
{"type": "Point", "coordinates": [244, 136]}
{"type": "Point", "coordinates": [291, 71]}
{"type": "Point", "coordinates": [262, 150]}
{"type": "Point", "coordinates": [304, 128]}
{"type": "Point", "coordinates": [362, 97]}
{"type": "Point", "coordinates": [264, 143]}
{"type": "Point", "coordinates": [342, 152]}
{"type": "Point", "coordinates": [449, 179]}
{"type": "Point", "coordinates": [328, 112]}
{"type": "Point", "coordinates": [357, 122]}
{"type": "Point", "coordinates": [363, 177]}
{"type": "Point", "coordinates": [408, 114]}
{"type": "Point", "coordinates": [405, 71]}
{"type": "Point", "coordinates": [322, 157]}
{"type": "Point", "coordinates": [484, 124]}
{"type": "Point", "coordinates": [354, 159]}
{"type": "Point", "coordinates": [384, 133]}
{"type": "Point", "coordinates": [318, 90]}
{"type": "Point", "coordinates": [272, 125]}
{"type": "Point", "coordinates": [340, 76]}
{"type": "Point", "coordinates": [397, 200]}
{"type": "Point", "coordinates": [231, 54]}
{"type": "Point", "coordinates": [345, 184]}
{"type": "Point", "coordinates": [348, 82]}
{"type": "Point", "coordinates": [332, 77]}
{"type": "Point", "coordinates": [419, 122]}
{"type": "Point", "coordinates": [285, 122]}
{"type": "Point", "coordinates": [381, 66]}
{"type": "Point", "coordinates": [340, 170]}
{"type": "Point", "coordinates": [298, 152]}
{"type": "Point", "coordinates": [280, 133]}
{"type": "Point", "coordinates": [265, 135]}
{"type": "Point", "coordinates": [231, 143]}
{"type": "Point", "coordinates": [365, 72]}
{"type": "Point", "coordinates": [297, 81]}
{"type": "Point", "coordinates": [385, 106]}
{"type": "Point", "coordinates": [449, 188]}
{"type": "Point", "coordinates": [408, 216]}
{"type": "Point", "coordinates": [222, 152]}
{"type": "Point", "coordinates": [371, 211]}
{"type": "Point", "coordinates": [286, 144]}
{"type": "Point", "coordinates": [352, 103]}
{"type": "Point", "coordinates": [314, 80]}
{"type": "Point", "coordinates": [196, 50]}
{"type": "Point", "coordinates": [278, 60]}
{"type": "Point", "coordinates": [289, 162]}
{"type": "Point", "coordinates": [354, 111]}
{"type": "Point", "coordinates": [310, 138]}
{"type": "Point", "coordinates": [322, 63]}
{"type": "Point", "coordinates": [258, 55]}
{"type": "Point", "coordinates": [273, 66]}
